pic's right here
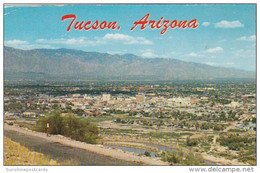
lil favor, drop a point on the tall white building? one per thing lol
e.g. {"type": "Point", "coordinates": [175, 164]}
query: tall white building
{"type": "Point", "coordinates": [106, 97]}
{"type": "Point", "coordinates": [140, 98]}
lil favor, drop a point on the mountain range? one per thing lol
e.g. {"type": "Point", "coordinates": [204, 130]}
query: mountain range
{"type": "Point", "coordinates": [76, 65]}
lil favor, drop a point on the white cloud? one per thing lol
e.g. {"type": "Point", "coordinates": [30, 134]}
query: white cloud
{"type": "Point", "coordinates": [21, 44]}
{"type": "Point", "coordinates": [214, 50]}
{"type": "Point", "coordinates": [225, 64]}
{"type": "Point", "coordinates": [205, 24]}
{"type": "Point", "coordinates": [227, 24]}
{"type": "Point", "coordinates": [193, 54]}
{"type": "Point", "coordinates": [249, 38]}
{"type": "Point", "coordinates": [108, 38]}
{"type": "Point", "coordinates": [15, 42]}
{"type": "Point", "coordinates": [245, 53]}
{"type": "Point", "coordinates": [117, 52]}
{"type": "Point", "coordinates": [230, 63]}
{"type": "Point", "coordinates": [170, 55]}
{"type": "Point", "coordinates": [126, 39]}
{"type": "Point", "coordinates": [80, 42]}
{"type": "Point", "coordinates": [211, 63]}
{"type": "Point", "coordinates": [148, 53]}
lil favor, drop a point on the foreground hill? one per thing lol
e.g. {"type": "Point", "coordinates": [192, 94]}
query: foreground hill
{"type": "Point", "coordinates": [16, 154]}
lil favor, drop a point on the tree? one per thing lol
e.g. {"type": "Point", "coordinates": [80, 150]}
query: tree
{"type": "Point", "coordinates": [55, 122]}
{"type": "Point", "coordinates": [71, 126]}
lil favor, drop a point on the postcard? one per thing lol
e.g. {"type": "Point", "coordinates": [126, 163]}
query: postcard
{"type": "Point", "coordinates": [130, 85]}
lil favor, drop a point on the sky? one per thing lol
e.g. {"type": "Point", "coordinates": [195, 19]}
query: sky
{"type": "Point", "coordinates": [225, 36]}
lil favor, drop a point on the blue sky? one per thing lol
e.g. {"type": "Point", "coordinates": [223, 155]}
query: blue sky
{"type": "Point", "coordinates": [226, 35]}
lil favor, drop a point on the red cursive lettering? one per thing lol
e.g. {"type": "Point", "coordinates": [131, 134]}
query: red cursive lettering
{"type": "Point", "coordinates": [164, 24]}
{"type": "Point", "coordinates": [68, 16]}
{"type": "Point", "coordinates": [79, 25]}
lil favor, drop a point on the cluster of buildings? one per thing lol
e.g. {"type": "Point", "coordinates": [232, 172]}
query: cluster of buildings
{"type": "Point", "coordinates": [141, 104]}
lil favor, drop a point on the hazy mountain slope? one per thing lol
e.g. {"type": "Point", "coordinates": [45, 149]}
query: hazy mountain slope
{"type": "Point", "coordinates": [69, 64]}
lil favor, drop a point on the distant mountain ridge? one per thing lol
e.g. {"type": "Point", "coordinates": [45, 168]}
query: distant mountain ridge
{"type": "Point", "coordinates": [70, 64]}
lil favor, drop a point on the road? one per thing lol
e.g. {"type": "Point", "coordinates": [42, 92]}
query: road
{"type": "Point", "coordinates": [62, 153]}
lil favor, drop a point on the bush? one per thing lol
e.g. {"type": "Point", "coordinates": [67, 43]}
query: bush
{"type": "Point", "coordinates": [75, 128]}
{"type": "Point", "coordinates": [170, 157]}
{"type": "Point", "coordinates": [191, 142]}
{"type": "Point", "coordinates": [147, 154]}
{"type": "Point", "coordinates": [118, 120]}
{"type": "Point", "coordinates": [235, 141]}
{"type": "Point", "coordinates": [217, 127]}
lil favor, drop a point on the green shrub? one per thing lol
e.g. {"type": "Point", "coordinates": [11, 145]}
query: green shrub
{"type": "Point", "coordinates": [235, 141]}
{"type": "Point", "coordinates": [71, 126]}
{"type": "Point", "coordinates": [147, 154]}
{"type": "Point", "coordinates": [170, 157]}
{"type": "Point", "coordinates": [191, 142]}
